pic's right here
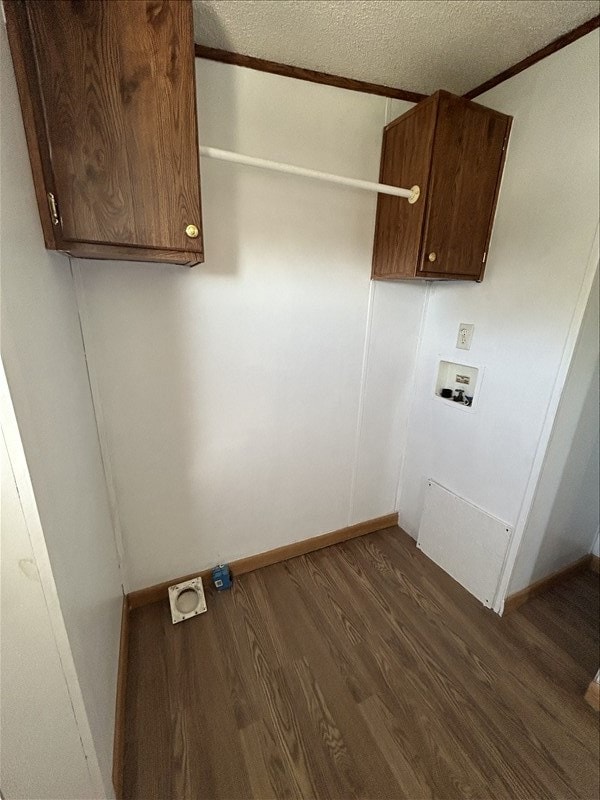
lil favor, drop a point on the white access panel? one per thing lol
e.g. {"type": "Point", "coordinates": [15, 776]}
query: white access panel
{"type": "Point", "coordinates": [465, 541]}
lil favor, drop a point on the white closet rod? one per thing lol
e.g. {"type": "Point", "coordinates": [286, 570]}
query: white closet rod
{"type": "Point", "coordinates": [412, 194]}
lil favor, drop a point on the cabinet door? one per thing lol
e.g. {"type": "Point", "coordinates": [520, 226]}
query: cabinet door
{"type": "Point", "coordinates": [405, 162]}
{"type": "Point", "coordinates": [117, 91]}
{"type": "Point", "coordinates": [468, 155]}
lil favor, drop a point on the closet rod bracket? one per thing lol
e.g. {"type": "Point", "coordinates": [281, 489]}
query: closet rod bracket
{"type": "Point", "coordinates": [415, 193]}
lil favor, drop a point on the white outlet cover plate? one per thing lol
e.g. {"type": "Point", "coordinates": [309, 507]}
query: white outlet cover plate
{"type": "Point", "coordinates": [179, 613]}
{"type": "Point", "coordinates": [465, 336]}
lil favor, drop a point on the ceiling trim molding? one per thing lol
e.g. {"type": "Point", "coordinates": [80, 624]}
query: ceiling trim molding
{"type": "Point", "coordinates": [303, 74]}
{"type": "Point", "coordinates": [275, 68]}
{"type": "Point", "coordinates": [548, 50]}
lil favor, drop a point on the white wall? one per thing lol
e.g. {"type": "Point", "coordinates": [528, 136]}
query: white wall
{"type": "Point", "coordinates": [259, 398]}
{"type": "Point", "coordinates": [46, 369]}
{"type": "Point", "coordinates": [563, 521]}
{"type": "Point", "coordinates": [41, 740]}
{"type": "Point", "coordinates": [35, 700]}
{"type": "Point", "coordinates": [538, 261]}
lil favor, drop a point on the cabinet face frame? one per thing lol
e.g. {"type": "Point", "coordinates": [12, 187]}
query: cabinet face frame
{"type": "Point", "coordinates": [17, 28]}
{"type": "Point", "coordinates": [405, 161]}
{"type": "Point", "coordinates": [23, 55]}
{"type": "Point", "coordinates": [414, 270]}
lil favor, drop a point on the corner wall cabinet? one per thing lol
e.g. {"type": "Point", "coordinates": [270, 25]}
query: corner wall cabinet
{"type": "Point", "coordinates": [454, 150]}
{"type": "Point", "coordinates": [107, 90]}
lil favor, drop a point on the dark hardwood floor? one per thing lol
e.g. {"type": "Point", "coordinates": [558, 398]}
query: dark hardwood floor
{"type": "Point", "coordinates": [363, 671]}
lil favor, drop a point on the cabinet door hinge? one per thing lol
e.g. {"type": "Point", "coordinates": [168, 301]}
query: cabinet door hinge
{"type": "Point", "coordinates": [484, 257]}
{"type": "Point", "coordinates": [53, 205]}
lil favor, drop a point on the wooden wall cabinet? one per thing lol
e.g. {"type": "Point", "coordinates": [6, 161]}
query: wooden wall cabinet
{"type": "Point", "coordinates": [107, 91]}
{"type": "Point", "coordinates": [454, 150]}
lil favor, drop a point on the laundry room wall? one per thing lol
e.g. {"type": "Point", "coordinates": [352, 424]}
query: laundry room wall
{"type": "Point", "coordinates": [529, 307]}
{"type": "Point", "coordinates": [45, 363]}
{"type": "Point", "coordinates": [563, 522]}
{"type": "Point", "coordinates": [261, 397]}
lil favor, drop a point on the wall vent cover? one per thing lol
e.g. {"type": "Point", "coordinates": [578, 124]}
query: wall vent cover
{"type": "Point", "coordinates": [464, 540]}
{"type": "Point", "coordinates": [187, 599]}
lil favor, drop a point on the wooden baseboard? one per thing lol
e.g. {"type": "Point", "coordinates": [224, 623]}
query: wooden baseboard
{"type": "Point", "coordinates": [152, 594]}
{"type": "Point", "coordinates": [595, 563]}
{"type": "Point", "coordinates": [592, 695]}
{"type": "Point", "coordinates": [517, 599]}
{"type": "Point", "coordinates": [119, 738]}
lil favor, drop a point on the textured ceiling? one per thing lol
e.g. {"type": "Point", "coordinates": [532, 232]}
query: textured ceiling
{"type": "Point", "coordinates": [420, 45]}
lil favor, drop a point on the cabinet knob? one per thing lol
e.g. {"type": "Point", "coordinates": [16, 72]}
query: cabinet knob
{"type": "Point", "coordinates": [432, 256]}
{"type": "Point", "coordinates": [192, 231]}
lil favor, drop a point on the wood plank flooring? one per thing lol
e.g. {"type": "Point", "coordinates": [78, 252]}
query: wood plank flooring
{"type": "Point", "coordinates": [363, 671]}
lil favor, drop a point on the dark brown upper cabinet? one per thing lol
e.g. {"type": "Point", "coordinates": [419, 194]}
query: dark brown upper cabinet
{"type": "Point", "coordinates": [107, 90]}
{"type": "Point", "coordinates": [454, 150]}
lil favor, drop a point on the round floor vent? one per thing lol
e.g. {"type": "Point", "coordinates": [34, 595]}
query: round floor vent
{"type": "Point", "coordinates": [187, 599]}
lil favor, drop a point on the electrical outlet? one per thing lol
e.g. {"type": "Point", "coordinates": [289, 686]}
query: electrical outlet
{"type": "Point", "coordinates": [465, 336]}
